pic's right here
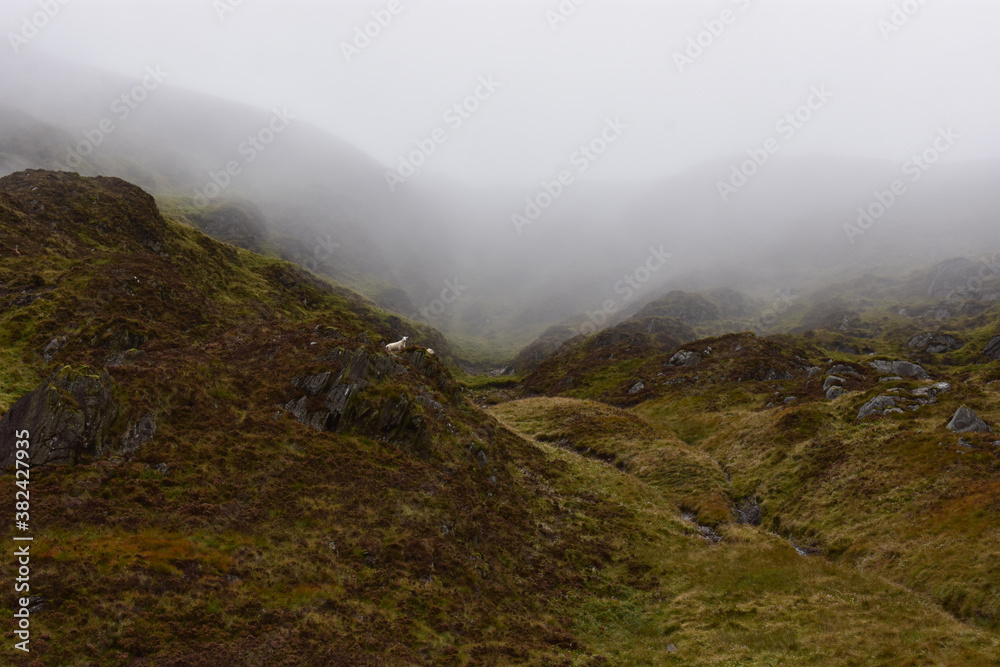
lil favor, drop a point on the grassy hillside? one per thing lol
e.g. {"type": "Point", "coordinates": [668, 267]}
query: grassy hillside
{"type": "Point", "coordinates": [237, 533]}
{"type": "Point", "coordinates": [230, 468]}
{"type": "Point", "coordinates": [897, 495]}
{"type": "Point", "coordinates": [742, 597]}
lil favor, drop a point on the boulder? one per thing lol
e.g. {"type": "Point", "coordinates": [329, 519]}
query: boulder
{"type": "Point", "coordinates": [832, 381]}
{"type": "Point", "coordinates": [904, 369]}
{"type": "Point", "coordinates": [685, 358]}
{"type": "Point", "coordinates": [879, 405]}
{"type": "Point", "coordinates": [967, 421]}
{"type": "Point", "coordinates": [835, 392]}
{"type": "Point", "coordinates": [69, 416]}
{"type": "Point", "coordinates": [935, 343]}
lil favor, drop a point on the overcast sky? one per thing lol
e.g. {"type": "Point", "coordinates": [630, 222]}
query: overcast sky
{"type": "Point", "coordinates": [560, 81]}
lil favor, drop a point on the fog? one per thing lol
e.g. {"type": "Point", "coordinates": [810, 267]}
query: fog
{"type": "Point", "coordinates": [538, 151]}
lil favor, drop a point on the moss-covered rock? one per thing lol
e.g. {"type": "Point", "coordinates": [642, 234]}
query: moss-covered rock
{"type": "Point", "coordinates": [70, 417]}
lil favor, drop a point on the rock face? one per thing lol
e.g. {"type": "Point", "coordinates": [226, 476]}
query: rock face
{"type": "Point", "coordinates": [967, 421]}
{"type": "Point", "coordinates": [69, 416]}
{"type": "Point", "coordinates": [993, 349]}
{"type": "Point", "coordinates": [904, 369]}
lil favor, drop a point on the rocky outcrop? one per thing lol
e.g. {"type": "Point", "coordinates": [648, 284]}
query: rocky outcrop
{"type": "Point", "coordinates": [69, 417]}
{"type": "Point", "coordinates": [880, 405]}
{"type": "Point", "coordinates": [967, 421]}
{"type": "Point", "coordinates": [831, 381]}
{"type": "Point", "coordinates": [685, 358]}
{"type": "Point", "coordinates": [904, 369]}
{"type": "Point", "coordinates": [935, 343]}
{"type": "Point", "coordinates": [833, 387]}
{"type": "Point", "coordinates": [903, 399]}
{"type": "Point", "coordinates": [357, 396]}
{"type": "Point", "coordinates": [139, 433]}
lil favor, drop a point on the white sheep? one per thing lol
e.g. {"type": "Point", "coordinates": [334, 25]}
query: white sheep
{"type": "Point", "coordinates": [398, 346]}
{"type": "Point", "coordinates": [430, 352]}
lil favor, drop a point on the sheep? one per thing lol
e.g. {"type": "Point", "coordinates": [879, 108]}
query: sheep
{"type": "Point", "coordinates": [398, 346]}
{"type": "Point", "coordinates": [430, 352]}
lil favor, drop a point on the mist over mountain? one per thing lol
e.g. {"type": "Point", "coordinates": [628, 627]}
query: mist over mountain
{"type": "Point", "coordinates": [792, 223]}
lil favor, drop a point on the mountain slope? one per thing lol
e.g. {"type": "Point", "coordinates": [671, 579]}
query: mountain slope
{"type": "Point", "coordinates": [229, 467]}
{"type": "Point", "coordinates": [208, 520]}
